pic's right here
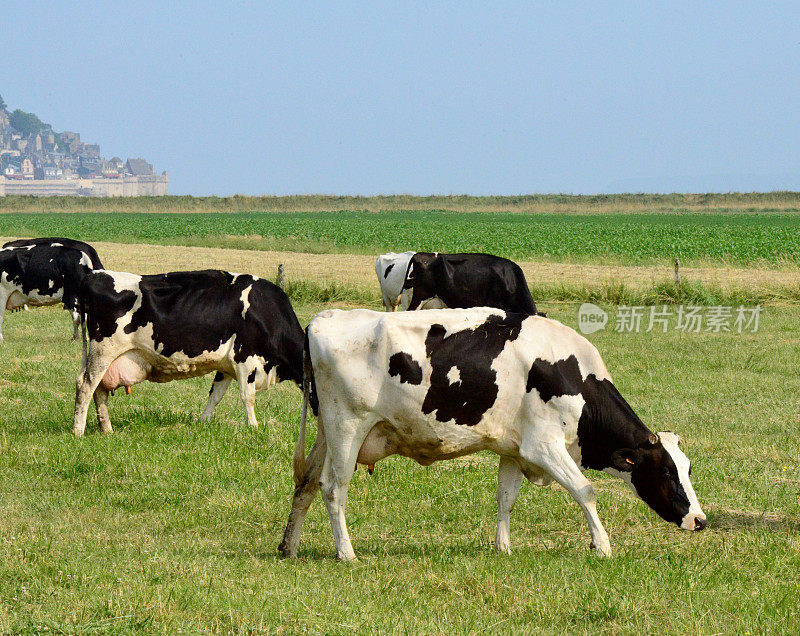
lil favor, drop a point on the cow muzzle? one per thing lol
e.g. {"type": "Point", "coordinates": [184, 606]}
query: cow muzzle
{"type": "Point", "coordinates": [694, 522]}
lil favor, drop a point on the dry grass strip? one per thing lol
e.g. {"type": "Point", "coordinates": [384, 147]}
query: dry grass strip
{"type": "Point", "coordinates": [358, 270]}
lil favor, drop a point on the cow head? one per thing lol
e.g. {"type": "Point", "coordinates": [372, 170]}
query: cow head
{"type": "Point", "coordinates": [659, 475]}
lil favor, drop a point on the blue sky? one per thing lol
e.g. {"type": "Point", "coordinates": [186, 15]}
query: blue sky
{"type": "Point", "coordinates": [421, 98]}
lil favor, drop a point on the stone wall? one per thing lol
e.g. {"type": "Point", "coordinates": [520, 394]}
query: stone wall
{"type": "Point", "coordinates": [153, 185]}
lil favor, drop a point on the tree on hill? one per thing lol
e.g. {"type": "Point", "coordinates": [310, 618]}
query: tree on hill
{"type": "Point", "coordinates": [2, 103]}
{"type": "Point", "coordinates": [26, 123]}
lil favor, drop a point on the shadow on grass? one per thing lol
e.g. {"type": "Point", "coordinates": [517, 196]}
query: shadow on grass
{"type": "Point", "coordinates": [743, 520]}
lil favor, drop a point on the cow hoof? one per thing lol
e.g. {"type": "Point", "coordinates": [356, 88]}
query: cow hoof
{"type": "Point", "coordinates": [602, 551]}
{"type": "Point", "coordinates": [205, 417]}
{"type": "Point", "coordinates": [502, 549]}
{"type": "Point", "coordinates": [286, 553]}
{"type": "Point", "coordinates": [77, 432]}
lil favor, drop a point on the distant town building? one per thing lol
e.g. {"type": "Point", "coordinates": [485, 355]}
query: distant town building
{"type": "Point", "coordinates": [39, 161]}
{"type": "Point", "coordinates": [139, 167]}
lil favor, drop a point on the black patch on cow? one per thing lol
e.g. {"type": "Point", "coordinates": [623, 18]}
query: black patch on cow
{"type": "Point", "coordinates": [609, 428]}
{"type": "Point", "coordinates": [251, 377]}
{"type": "Point", "coordinates": [472, 352]}
{"type": "Point", "coordinates": [388, 269]}
{"type": "Point", "coordinates": [550, 379]}
{"type": "Point", "coordinates": [403, 365]}
{"type": "Point", "coordinates": [218, 377]}
{"type": "Point", "coordinates": [468, 280]}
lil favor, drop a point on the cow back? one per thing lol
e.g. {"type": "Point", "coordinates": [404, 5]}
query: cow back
{"type": "Point", "coordinates": [198, 312]}
{"type": "Point", "coordinates": [56, 241]}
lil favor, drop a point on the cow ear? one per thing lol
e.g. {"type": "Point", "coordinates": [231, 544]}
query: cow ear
{"type": "Point", "coordinates": [624, 459]}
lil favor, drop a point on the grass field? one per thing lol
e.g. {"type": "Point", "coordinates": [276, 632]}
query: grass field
{"type": "Point", "coordinates": [735, 238]}
{"type": "Point", "coordinates": [172, 524]}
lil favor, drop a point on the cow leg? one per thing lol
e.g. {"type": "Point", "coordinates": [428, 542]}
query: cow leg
{"type": "Point", "coordinates": [304, 494]}
{"type": "Point", "coordinates": [101, 406]}
{"type": "Point", "coordinates": [337, 471]}
{"type": "Point", "coordinates": [554, 458]}
{"type": "Point", "coordinates": [4, 294]}
{"type": "Point", "coordinates": [85, 386]}
{"type": "Point", "coordinates": [218, 389]}
{"type": "Point", "coordinates": [509, 479]}
{"type": "Point", "coordinates": [247, 391]}
{"type": "Point", "coordinates": [76, 323]}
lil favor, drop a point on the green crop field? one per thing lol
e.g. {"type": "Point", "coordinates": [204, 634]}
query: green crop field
{"type": "Point", "coordinates": [736, 238]}
{"type": "Point", "coordinates": [170, 524]}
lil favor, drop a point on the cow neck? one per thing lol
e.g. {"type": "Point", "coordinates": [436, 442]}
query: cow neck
{"type": "Point", "coordinates": [607, 423]}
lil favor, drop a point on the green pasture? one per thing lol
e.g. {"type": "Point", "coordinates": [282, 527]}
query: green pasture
{"type": "Point", "coordinates": [170, 524]}
{"type": "Point", "coordinates": [735, 238]}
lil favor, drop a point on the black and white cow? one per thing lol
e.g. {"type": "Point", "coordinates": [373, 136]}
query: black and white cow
{"type": "Point", "coordinates": [439, 384]}
{"type": "Point", "coordinates": [184, 324]}
{"type": "Point", "coordinates": [44, 272]}
{"type": "Point", "coordinates": [460, 281]}
{"type": "Point", "coordinates": [57, 241]}
{"type": "Point", "coordinates": [391, 271]}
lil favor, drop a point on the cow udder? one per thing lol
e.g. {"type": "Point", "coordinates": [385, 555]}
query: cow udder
{"type": "Point", "coordinates": [15, 300]}
{"type": "Point", "coordinates": [127, 370]}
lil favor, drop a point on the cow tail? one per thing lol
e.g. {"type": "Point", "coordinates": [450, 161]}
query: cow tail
{"type": "Point", "coordinates": [300, 449]}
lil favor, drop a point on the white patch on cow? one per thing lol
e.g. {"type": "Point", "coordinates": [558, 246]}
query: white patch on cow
{"type": "Point", "coordinates": [454, 375]}
{"type": "Point", "coordinates": [123, 281]}
{"type": "Point", "coordinates": [670, 442]}
{"type": "Point", "coordinates": [56, 245]}
{"type": "Point", "coordinates": [86, 260]}
{"type": "Point", "coordinates": [50, 283]}
{"type": "Point", "coordinates": [245, 298]}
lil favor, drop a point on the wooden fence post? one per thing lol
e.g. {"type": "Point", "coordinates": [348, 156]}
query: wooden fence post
{"type": "Point", "coordinates": [281, 276]}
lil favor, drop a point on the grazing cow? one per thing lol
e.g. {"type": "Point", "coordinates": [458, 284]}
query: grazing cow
{"type": "Point", "coordinates": [391, 272]}
{"type": "Point", "coordinates": [55, 241]}
{"type": "Point", "coordinates": [436, 385]}
{"type": "Point", "coordinates": [44, 272]}
{"type": "Point", "coordinates": [181, 325]}
{"type": "Point", "coordinates": [460, 281]}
